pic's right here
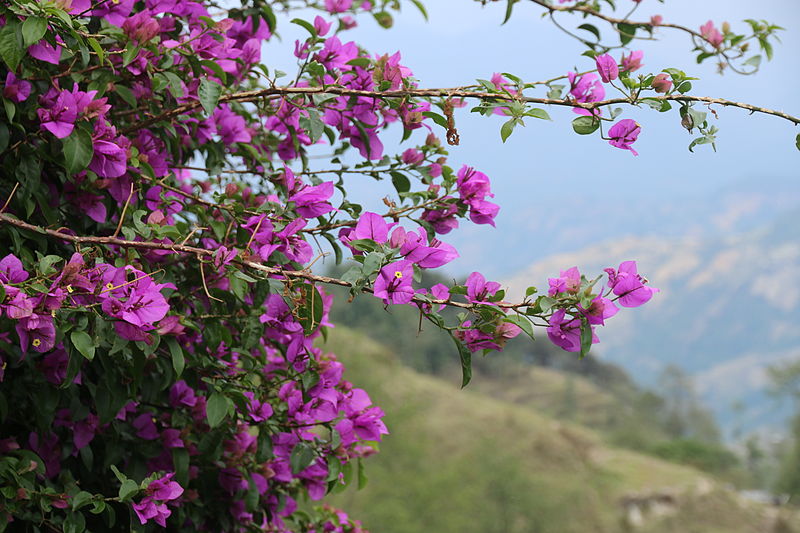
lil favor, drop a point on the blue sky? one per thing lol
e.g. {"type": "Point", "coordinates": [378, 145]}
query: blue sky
{"type": "Point", "coordinates": [544, 167]}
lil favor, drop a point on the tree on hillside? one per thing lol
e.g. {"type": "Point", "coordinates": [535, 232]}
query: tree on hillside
{"type": "Point", "coordinates": [164, 194]}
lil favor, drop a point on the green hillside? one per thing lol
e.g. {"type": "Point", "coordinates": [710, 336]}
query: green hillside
{"type": "Point", "coordinates": [465, 461]}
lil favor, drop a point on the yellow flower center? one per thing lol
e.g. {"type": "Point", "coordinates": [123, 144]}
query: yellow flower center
{"type": "Point", "coordinates": [69, 288]}
{"type": "Point", "coordinates": [398, 274]}
{"type": "Point", "coordinates": [36, 342]}
{"type": "Point", "coordinates": [109, 286]}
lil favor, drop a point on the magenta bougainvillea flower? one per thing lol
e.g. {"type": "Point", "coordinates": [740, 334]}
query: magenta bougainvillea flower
{"type": "Point", "coordinates": [443, 220]}
{"type": "Point", "coordinates": [629, 286]}
{"type": "Point", "coordinates": [44, 51]}
{"type": "Point", "coordinates": [586, 88]}
{"type": "Point", "coordinates": [624, 133]}
{"type": "Point", "coordinates": [568, 281]}
{"type": "Point", "coordinates": [607, 68]}
{"type": "Point", "coordinates": [59, 116]}
{"type": "Point", "coordinates": [412, 156]}
{"type": "Point", "coordinates": [632, 61]}
{"type": "Point", "coordinates": [153, 506]}
{"type": "Point", "coordinates": [393, 284]}
{"type": "Point", "coordinates": [36, 331]}
{"type": "Point", "coordinates": [11, 270]}
{"type": "Point", "coordinates": [371, 226]}
{"type": "Point", "coordinates": [479, 290]}
{"type": "Point", "coordinates": [312, 201]}
{"type": "Point", "coordinates": [600, 309]}
{"type": "Point", "coordinates": [338, 6]}
{"type": "Point", "coordinates": [711, 34]}
{"type": "Point", "coordinates": [110, 158]}
{"type": "Point", "coordinates": [15, 89]}
{"type": "Point", "coordinates": [661, 83]}
{"type": "Point", "coordinates": [565, 331]}
{"type": "Point", "coordinates": [414, 246]}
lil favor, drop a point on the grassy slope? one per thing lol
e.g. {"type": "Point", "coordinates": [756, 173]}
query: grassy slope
{"type": "Point", "coordinates": [461, 461]}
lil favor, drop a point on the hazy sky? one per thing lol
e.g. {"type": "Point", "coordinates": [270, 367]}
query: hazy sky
{"type": "Point", "coordinates": [545, 167]}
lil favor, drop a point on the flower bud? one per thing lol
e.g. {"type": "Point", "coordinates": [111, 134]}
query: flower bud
{"type": "Point", "coordinates": [661, 83]}
{"type": "Point", "coordinates": [156, 217]}
{"type": "Point", "coordinates": [231, 189]}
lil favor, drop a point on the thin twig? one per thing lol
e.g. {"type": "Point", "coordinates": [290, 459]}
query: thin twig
{"type": "Point", "coordinates": [124, 210]}
{"type": "Point", "coordinates": [271, 92]}
{"type": "Point", "coordinates": [10, 196]}
{"type": "Point", "coordinates": [205, 286]}
{"type": "Point", "coordinates": [200, 252]}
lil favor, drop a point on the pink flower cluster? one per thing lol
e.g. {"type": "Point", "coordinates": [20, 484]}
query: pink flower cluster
{"type": "Point", "coordinates": [625, 284]}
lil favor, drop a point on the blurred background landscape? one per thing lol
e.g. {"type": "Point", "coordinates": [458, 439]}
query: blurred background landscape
{"type": "Point", "coordinates": [685, 416]}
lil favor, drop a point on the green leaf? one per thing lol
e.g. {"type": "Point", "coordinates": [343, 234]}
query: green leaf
{"type": "Point", "coordinates": [507, 128]}
{"type": "Point", "coordinates": [421, 8]}
{"type": "Point", "coordinates": [45, 264]}
{"type": "Point", "coordinates": [129, 55]}
{"type": "Point", "coordinates": [310, 312]}
{"type": "Point", "coordinates": [128, 488]}
{"type": "Point", "coordinates": [626, 32]}
{"type": "Point", "coordinates": [11, 45]}
{"type": "Point", "coordinates": [175, 86]}
{"type": "Point", "coordinates": [209, 93]}
{"type": "Point", "coordinates": [384, 19]}
{"type": "Point", "coordinates": [658, 105]}
{"type": "Point", "coordinates": [509, 9]}
{"type": "Point", "coordinates": [585, 125]}
{"type": "Point", "coordinates": [83, 343]}
{"type": "Point", "coordinates": [546, 303]}
{"type": "Point", "coordinates": [74, 523]}
{"type": "Point", "coordinates": [766, 46]}
{"type": "Point", "coordinates": [217, 409]}
{"type": "Point", "coordinates": [180, 460]}
{"type": "Point", "coordinates": [400, 181]}
{"type": "Point", "coordinates": [214, 67]}
{"type": "Point", "coordinates": [251, 496]}
{"type": "Point", "coordinates": [586, 339]}
{"type": "Point", "coordinates": [5, 136]}
{"type": "Point", "coordinates": [120, 476]}
{"type": "Point", "coordinates": [797, 141]}
{"type": "Point", "coordinates": [538, 113]}
{"type": "Point", "coordinates": [305, 24]}
{"type": "Point", "coordinates": [362, 475]}
{"type": "Point", "coordinates": [33, 29]}
{"type": "Point", "coordinates": [466, 362]}
{"type": "Point", "coordinates": [436, 117]}
{"type": "Point", "coordinates": [591, 29]}
{"type": "Point", "coordinates": [78, 151]}
{"type": "Point", "coordinates": [126, 94]}
{"type": "Point", "coordinates": [313, 125]}
{"type": "Point", "coordinates": [81, 499]}
{"type": "Point", "coordinates": [754, 61]}
{"type": "Point", "coordinates": [301, 458]}
{"type": "Point", "coordinates": [362, 62]}
{"type": "Point", "coordinates": [101, 55]}
{"type": "Point", "coordinates": [523, 323]}
{"type": "Point", "coordinates": [178, 360]}
{"type": "Point", "coordinates": [11, 109]}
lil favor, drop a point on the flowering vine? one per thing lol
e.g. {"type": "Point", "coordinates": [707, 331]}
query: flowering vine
{"type": "Point", "coordinates": [160, 355]}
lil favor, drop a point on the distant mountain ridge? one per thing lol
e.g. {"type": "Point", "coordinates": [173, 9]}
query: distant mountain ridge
{"type": "Point", "coordinates": [729, 306]}
{"type": "Point", "coordinates": [476, 460]}
{"type": "Point", "coordinates": [578, 220]}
